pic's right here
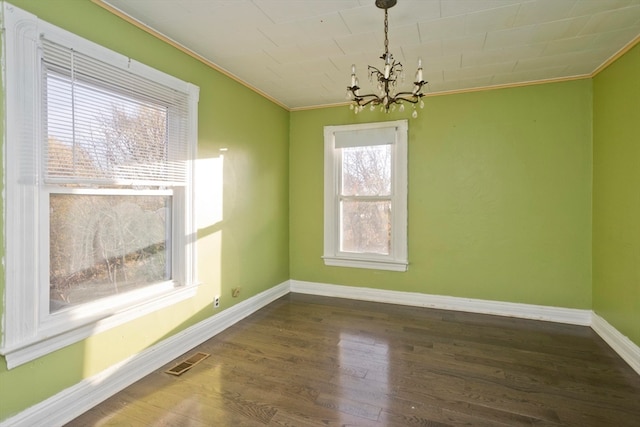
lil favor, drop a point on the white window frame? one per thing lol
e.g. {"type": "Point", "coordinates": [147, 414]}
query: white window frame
{"type": "Point", "coordinates": [396, 260]}
{"type": "Point", "coordinates": [29, 330]}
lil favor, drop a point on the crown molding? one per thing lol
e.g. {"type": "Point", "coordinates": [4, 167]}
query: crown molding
{"type": "Point", "coordinates": [232, 76]}
{"type": "Point", "coordinates": [184, 50]}
{"type": "Point", "coordinates": [459, 91]}
{"type": "Point", "coordinates": [626, 48]}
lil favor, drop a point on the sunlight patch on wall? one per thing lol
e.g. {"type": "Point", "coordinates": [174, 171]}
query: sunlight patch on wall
{"type": "Point", "coordinates": [208, 191]}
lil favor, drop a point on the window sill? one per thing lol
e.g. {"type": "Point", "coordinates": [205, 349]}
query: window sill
{"type": "Point", "coordinates": [36, 347]}
{"type": "Point", "coordinates": [366, 263]}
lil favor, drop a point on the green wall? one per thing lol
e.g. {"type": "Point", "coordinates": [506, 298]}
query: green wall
{"type": "Point", "coordinates": [500, 204]}
{"type": "Point", "coordinates": [616, 194]}
{"type": "Point", "coordinates": [251, 230]}
{"type": "Point", "coordinates": [499, 196]}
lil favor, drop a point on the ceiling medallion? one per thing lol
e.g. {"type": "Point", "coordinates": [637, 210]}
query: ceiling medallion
{"type": "Point", "coordinates": [387, 79]}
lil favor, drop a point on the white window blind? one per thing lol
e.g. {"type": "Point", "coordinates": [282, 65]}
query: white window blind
{"type": "Point", "coordinates": [97, 123]}
{"type": "Point", "coordinates": [362, 137]}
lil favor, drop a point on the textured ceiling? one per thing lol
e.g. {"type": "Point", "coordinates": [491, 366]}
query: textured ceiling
{"type": "Point", "coordinates": [299, 52]}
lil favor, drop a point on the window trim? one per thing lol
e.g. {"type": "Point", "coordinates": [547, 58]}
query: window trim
{"type": "Point", "coordinates": [333, 256]}
{"type": "Point", "coordinates": [26, 333]}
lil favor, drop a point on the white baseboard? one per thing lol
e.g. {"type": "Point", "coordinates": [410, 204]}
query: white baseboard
{"type": "Point", "coordinates": [75, 400]}
{"type": "Point", "coordinates": [72, 402]}
{"type": "Point", "coordinates": [622, 345]}
{"type": "Point", "coordinates": [527, 311]}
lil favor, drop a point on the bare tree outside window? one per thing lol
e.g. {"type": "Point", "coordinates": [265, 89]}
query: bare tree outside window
{"type": "Point", "coordinates": [134, 138]}
{"type": "Point", "coordinates": [105, 244]}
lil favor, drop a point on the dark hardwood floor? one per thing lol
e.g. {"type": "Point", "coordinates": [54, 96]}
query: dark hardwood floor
{"type": "Point", "coordinates": [317, 361]}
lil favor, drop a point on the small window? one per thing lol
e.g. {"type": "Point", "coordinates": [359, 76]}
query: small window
{"type": "Point", "coordinates": [365, 207]}
{"type": "Point", "coordinates": [99, 183]}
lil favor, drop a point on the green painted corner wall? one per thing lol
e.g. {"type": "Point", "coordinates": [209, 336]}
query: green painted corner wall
{"type": "Point", "coordinates": [499, 196]}
{"type": "Point", "coordinates": [616, 195]}
{"type": "Point", "coordinates": [241, 195]}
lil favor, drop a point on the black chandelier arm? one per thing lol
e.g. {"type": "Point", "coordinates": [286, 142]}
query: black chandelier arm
{"type": "Point", "coordinates": [375, 99]}
{"type": "Point", "coordinates": [418, 93]}
{"type": "Point", "coordinates": [398, 99]}
{"type": "Point", "coordinates": [359, 98]}
{"type": "Point", "coordinates": [364, 100]}
{"type": "Point", "coordinates": [374, 71]}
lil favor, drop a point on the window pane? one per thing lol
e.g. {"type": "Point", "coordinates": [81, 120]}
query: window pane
{"type": "Point", "coordinates": [102, 245]}
{"type": "Point", "coordinates": [365, 226]}
{"type": "Point", "coordinates": [366, 171]}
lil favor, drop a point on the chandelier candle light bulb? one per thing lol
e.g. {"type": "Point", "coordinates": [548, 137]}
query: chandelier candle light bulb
{"type": "Point", "coordinates": [387, 79]}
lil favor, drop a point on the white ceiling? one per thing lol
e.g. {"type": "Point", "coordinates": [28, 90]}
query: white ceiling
{"type": "Point", "coordinates": [299, 52]}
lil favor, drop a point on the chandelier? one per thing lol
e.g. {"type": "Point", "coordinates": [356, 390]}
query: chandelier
{"type": "Point", "coordinates": [386, 79]}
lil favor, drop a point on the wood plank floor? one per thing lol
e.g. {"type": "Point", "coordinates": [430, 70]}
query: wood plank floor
{"type": "Point", "coordinates": [317, 361]}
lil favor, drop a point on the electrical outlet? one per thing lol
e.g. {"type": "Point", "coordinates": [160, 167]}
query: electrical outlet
{"type": "Point", "coordinates": [216, 302]}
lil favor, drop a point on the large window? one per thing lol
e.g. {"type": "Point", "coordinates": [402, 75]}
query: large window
{"type": "Point", "coordinates": [365, 206]}
{"type": "Point", "coordinates": [99, 183]}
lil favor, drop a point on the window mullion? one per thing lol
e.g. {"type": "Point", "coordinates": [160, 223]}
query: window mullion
{"type": "Point", "coordinates": [365, 198]}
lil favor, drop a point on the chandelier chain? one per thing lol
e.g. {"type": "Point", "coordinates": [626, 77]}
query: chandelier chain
{"type": "Point", "coordinates": [386, 34]}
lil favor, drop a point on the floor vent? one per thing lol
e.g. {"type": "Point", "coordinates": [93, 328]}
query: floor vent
{"type": "Point", "coordinates": [187, 364]}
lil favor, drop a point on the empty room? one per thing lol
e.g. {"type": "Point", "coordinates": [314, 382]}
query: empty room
{"type": "Point", "coordinates": [320, 213]}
